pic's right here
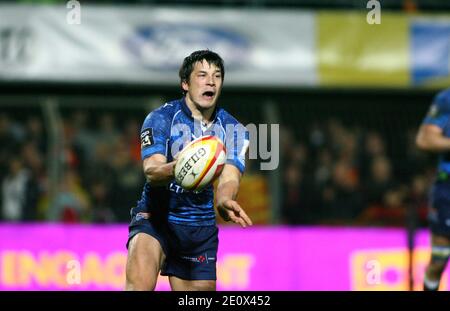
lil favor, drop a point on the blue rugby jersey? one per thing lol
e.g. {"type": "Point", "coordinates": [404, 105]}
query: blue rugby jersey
{"type": "Point", "coordinates": [165, 131]}
{"type": "Point", "coordinates": [439, 114]}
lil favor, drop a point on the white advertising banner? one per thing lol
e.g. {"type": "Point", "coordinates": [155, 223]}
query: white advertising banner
{"type": "Point", "coordinates": [147, 44]}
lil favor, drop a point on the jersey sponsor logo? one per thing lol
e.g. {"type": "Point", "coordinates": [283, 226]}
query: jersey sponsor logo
{"type": "Point", "coordinates": [175, 188]}
{"type": "Point", "coordinates": [147, 138]}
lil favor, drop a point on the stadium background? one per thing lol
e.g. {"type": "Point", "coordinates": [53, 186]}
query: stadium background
{"type": "Point", "coordinates": [347, 204]}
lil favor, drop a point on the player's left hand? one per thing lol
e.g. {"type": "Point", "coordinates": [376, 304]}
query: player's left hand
{"type": "Point", "coordinates": [231, 210]}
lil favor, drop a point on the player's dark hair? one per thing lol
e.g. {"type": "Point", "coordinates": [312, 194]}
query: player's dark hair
{"type": "Point", "coordinates": [198, 56]}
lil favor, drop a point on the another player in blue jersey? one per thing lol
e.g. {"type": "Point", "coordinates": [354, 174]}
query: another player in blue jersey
{"type": "Point", "coordinates": [173, 231]}
{"type": "Point", "coordinates": [434, 136]}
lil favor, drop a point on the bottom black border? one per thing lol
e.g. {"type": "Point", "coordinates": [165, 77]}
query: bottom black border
{"type": "Point", "coordinates": [222, 300]}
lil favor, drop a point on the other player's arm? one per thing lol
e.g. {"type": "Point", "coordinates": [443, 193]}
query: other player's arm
{"type": "Point", "coordinates": [227, 190]}
{"type": "Point", "coordinates": [157, 171]}
{"type": "Point", "coordinates": [430, 138]}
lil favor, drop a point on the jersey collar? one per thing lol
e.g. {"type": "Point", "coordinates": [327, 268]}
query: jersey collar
{"type": "Point", "coordinates": [188, 112]}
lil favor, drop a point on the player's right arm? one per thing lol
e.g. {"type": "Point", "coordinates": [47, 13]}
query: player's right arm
{"type": "Point", "coordinates": [157, 171]}
{"type": "Point", "coordinates": [430, 138]}
{"type": "Point", "coordinates": [155, 134]}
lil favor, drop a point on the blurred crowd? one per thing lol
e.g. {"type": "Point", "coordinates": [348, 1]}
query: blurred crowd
{"type": "Point", "coordinates": [338, 174]}
{"type": "Point", "coordinates": [98, 175]}
{"type": "Point", "coordinates": [332, 174]}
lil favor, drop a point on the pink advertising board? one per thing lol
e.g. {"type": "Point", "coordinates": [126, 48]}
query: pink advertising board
{"type": "Point", "coordinates": [93, 257]}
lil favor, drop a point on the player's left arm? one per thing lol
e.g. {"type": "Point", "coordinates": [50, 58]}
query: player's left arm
{"type": "Point", "coordinates": [226, 194]}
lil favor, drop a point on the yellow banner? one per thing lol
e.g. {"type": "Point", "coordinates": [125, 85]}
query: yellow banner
{"type": "Point", "coordinates": [353, 52]}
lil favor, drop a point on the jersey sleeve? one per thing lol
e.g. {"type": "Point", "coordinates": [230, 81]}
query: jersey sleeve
{"type": "Point", "coordinates": [237, 142]}
{"type": "Point", "coordinates": [439, 112]}
{"type": "Point", "coordinates": [155, 134]}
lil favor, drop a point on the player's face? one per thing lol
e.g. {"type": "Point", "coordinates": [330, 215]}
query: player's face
{"type": "Point", "coordinates": [204, 85]}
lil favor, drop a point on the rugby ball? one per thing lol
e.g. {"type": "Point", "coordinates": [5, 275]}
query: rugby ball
{"type": "Point", "coordinates": [200, 163]}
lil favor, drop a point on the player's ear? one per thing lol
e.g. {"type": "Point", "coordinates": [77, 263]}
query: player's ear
{"type": "Point", "coordinates": [185, 85]}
